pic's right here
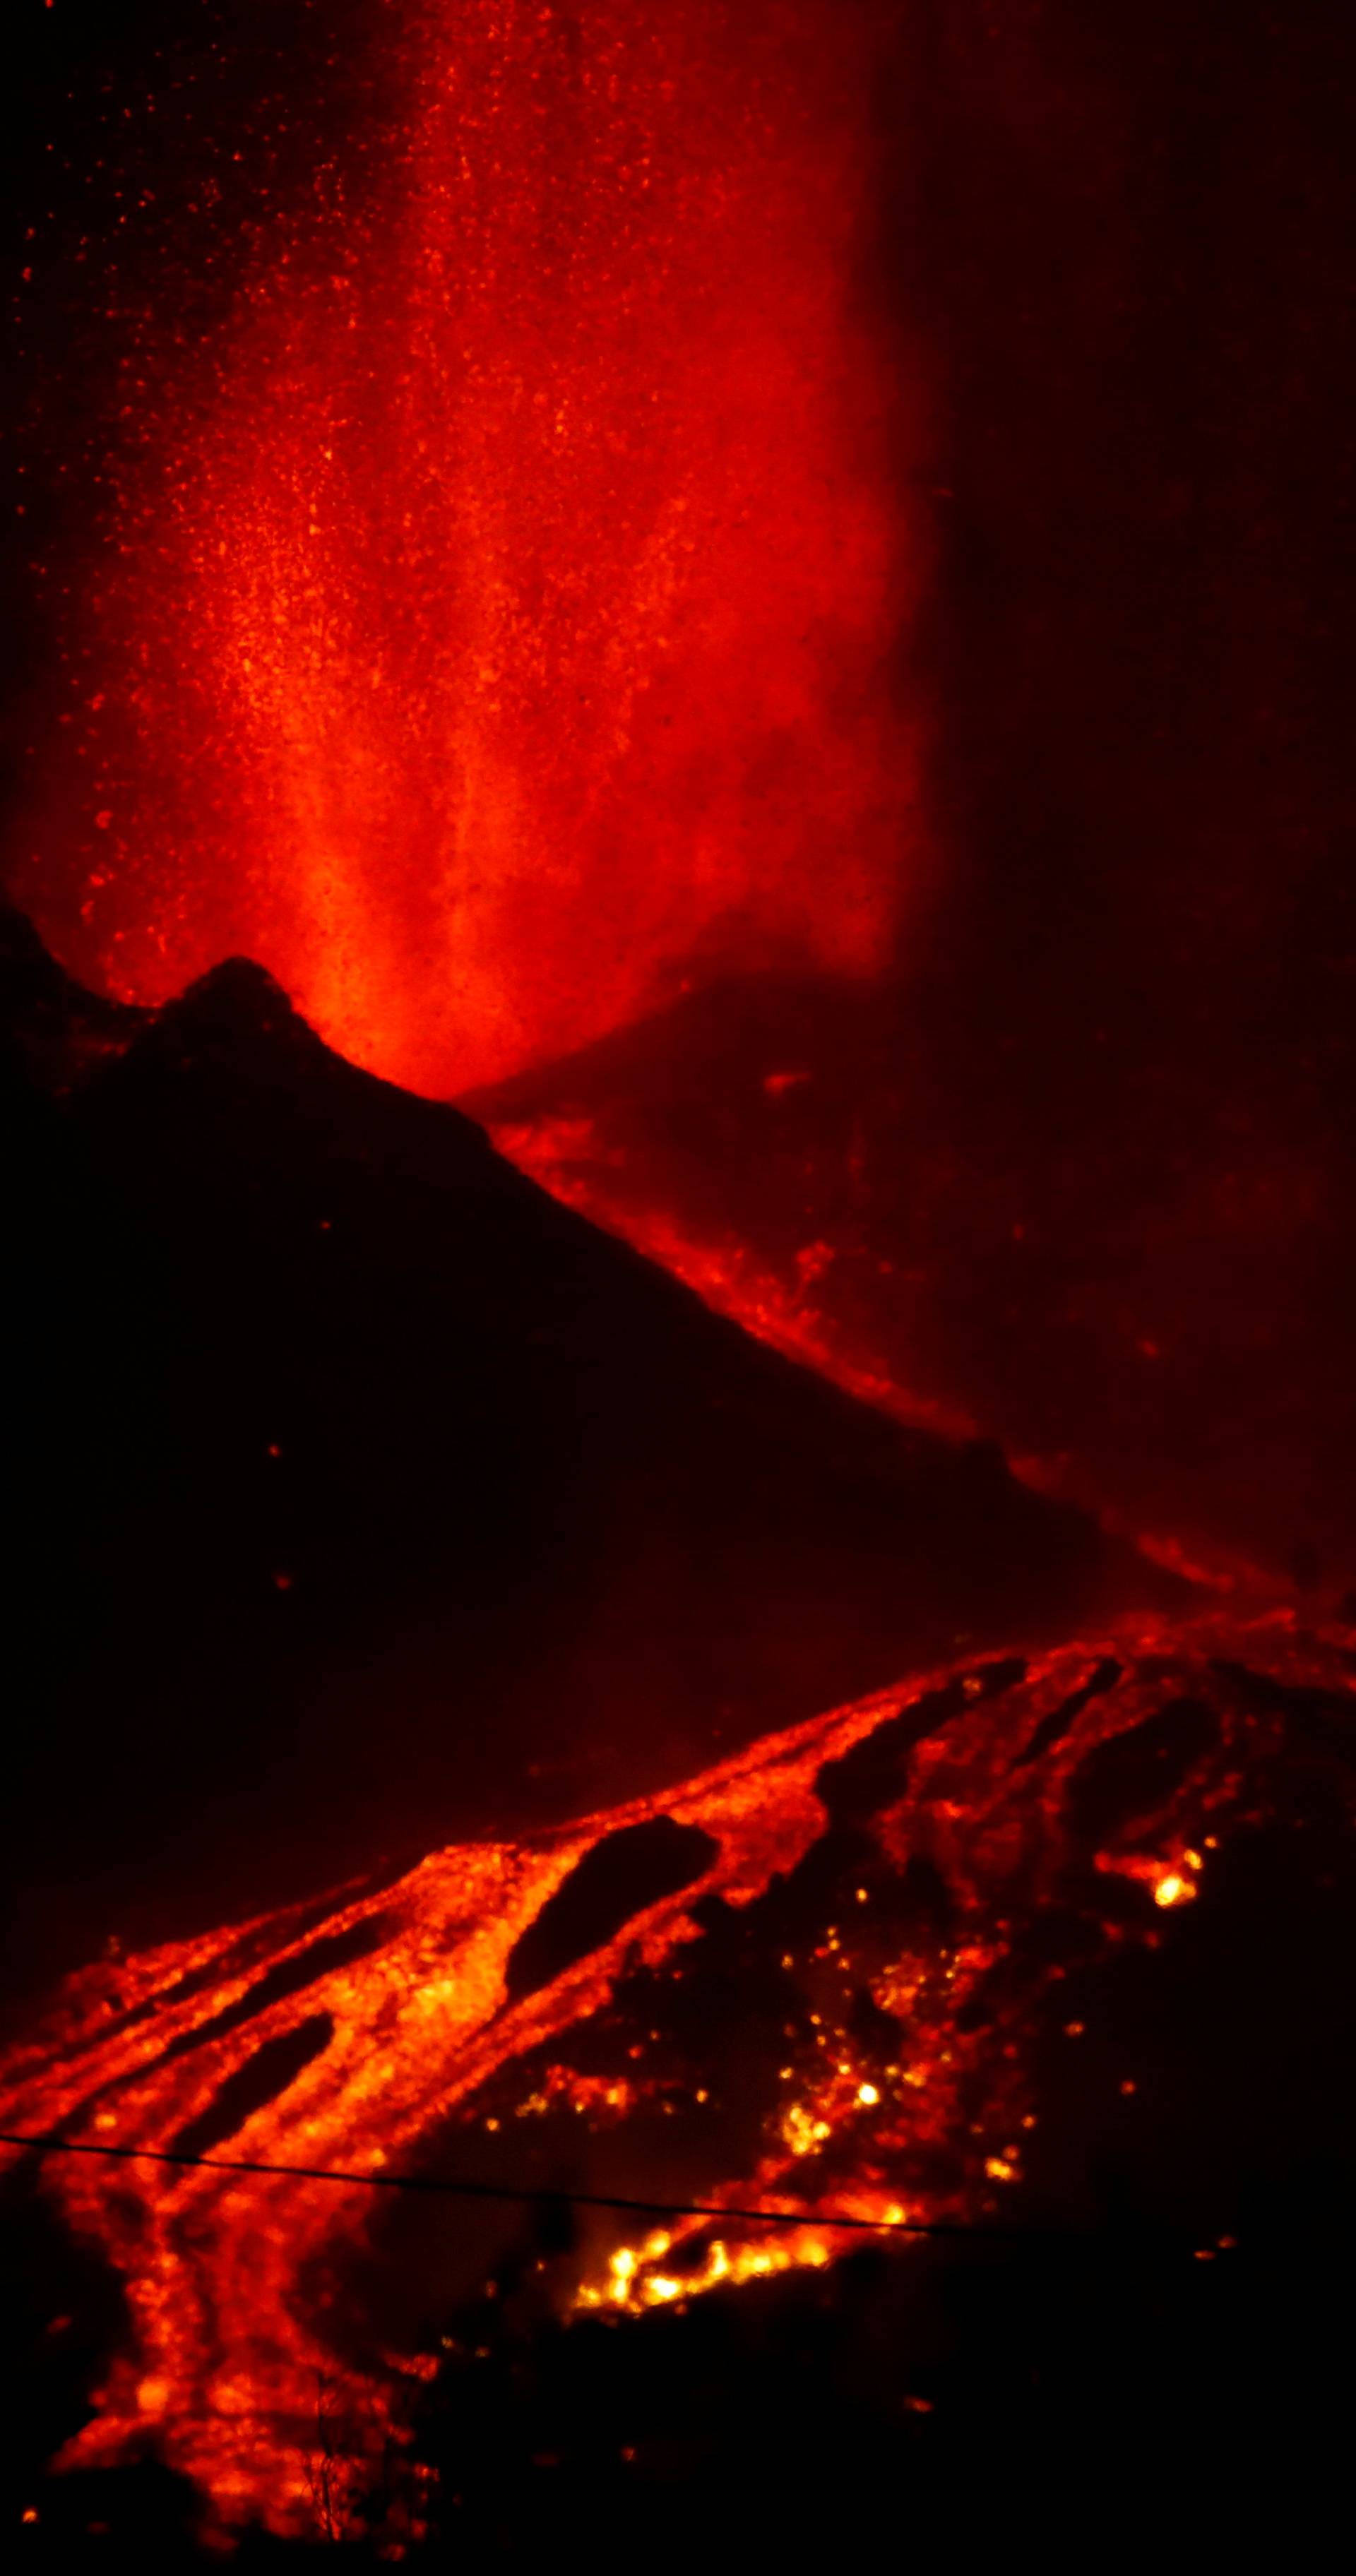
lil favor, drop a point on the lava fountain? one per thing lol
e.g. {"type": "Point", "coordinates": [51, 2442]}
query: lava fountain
{"type": "Point", "coordinates": [497, 606]}
{"type": "Point", "coordinates": [496, 621]}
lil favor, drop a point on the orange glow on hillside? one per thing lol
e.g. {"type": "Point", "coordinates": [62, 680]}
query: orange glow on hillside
{"type": "Point", "coordinates": [496, 609]}
{"type": "Point", "coordinates": [880, 1866]}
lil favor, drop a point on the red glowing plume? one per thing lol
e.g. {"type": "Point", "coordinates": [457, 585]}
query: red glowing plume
{"type": "Point", "coordinates": [497, 609]}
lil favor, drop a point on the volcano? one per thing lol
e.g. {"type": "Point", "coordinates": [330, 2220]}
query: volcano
{"type": "Point", "coordinates": [436, 1595]}
{"type": "Point", "coordinates": [374, 1498]}
{"type": "Point", "coordinates": [679, 676]}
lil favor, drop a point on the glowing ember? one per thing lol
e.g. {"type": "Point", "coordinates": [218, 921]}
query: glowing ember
{"type": "Point", "coordinates": [754, 2037]}
{"type": "Point", "coordinates": [500, 606]}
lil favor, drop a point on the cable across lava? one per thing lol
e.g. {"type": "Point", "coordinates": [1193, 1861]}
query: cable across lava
{"type": "Point", "coordinates": [818, 1970]}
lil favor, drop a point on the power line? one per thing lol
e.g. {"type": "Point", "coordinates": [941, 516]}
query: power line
{"type": "Point", "coordinates": [539, 2196]}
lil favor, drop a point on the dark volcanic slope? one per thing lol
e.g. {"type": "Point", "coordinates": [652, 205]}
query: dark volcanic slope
{"type": "Point", "coordinates": [1117, 1262]}
{"type": "Point", "coordinates": [370, 1496]}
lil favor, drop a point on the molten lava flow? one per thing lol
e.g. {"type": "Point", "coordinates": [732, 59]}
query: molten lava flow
{"type": "Point", "coordinates": [496, 608]}
{"type": "Point", "coordinates": [808, 1981]}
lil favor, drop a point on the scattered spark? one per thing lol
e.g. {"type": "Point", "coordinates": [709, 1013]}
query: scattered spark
{"type": "Point", "coordinates": [422, 2027]}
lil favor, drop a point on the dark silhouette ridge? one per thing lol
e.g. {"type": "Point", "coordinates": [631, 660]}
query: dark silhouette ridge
{"type": "Point", "coordinates": [860, 1783]}
{"type": "Point", "coordinates": [276, 2063]}
{"type": "Point", "coordinates": [1055, 1725]}
{"type": "Point", "coordinates": [1123, 1778]}
{"type": "Point", "coordinates": [290, 1977]}
{"type": "Point", "coordinates": [371, 1497]}
{"type": "Point", "coordinates": [628, 1871]}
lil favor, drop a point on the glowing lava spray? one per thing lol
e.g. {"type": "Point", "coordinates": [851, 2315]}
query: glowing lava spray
{"type": "Point", "coordinates": [499, 605]}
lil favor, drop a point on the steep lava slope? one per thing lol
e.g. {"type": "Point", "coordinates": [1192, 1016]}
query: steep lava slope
{"type": "Point", "coordinates": [830, 1978]}
{"type": "Point", "coordinates": [373, 1498]}
{"type": "Point", "coordinates": [1133, 1272]}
